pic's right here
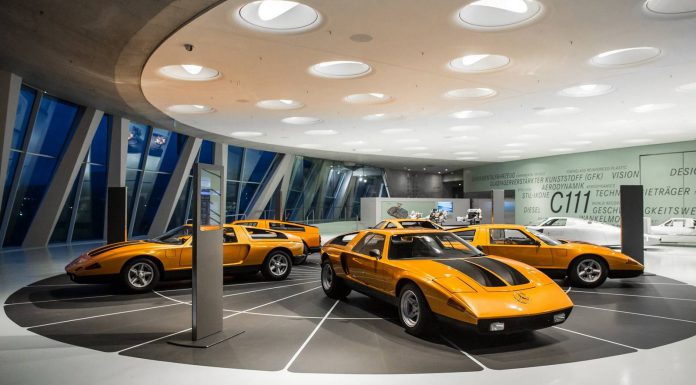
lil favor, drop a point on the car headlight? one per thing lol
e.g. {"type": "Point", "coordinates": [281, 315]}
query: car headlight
{"type": "Point", "coordinates": [81, 259]}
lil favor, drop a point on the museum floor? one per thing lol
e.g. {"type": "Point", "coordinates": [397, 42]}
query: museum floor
{"type": "Point", "coordinates": [634, 331]}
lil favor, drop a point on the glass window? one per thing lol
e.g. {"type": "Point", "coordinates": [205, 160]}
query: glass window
{"type": "Point", "coordinates": [343, 240]}
{"type": "Point", "coordinates": [430, 246]}
{"type": "Point", "coordinates": [234, 162]}
{"type": "Point", "coordinates": [99, 149]}
{"type": "Point", "coordinates": [158, 145]}
{"type": "Point", "coordinates": [390, 225]}
{"type": "Point", "coordinates": [206, 152]}
{"type": "Point", "coordinates": [11, 169]}
{"type": "Point", "coordinates": [229, 236]}
{"type": "Point", "coordinates": [54, 126]}
{"type": "Point", "coordinates": [24, 105]}
{"type": "Point", "coordinates": [369, 242]}
{"type": "Point", "coordinates": [257, 233]}
{"type": "Point", "coordinates": [231, 204]}
{"type": "Point", "coordinates": [248, 224]}
{"type": "Point", "coordinates": [281, 226]}
{"type": "Point", "coordinates": [180, 215]}
{"type": "Point", "coordinates": [60, 232]}
{"type": "Point", "coordinates": [137, 136]}
{"type": "Point", "coordinates": [89, 220]}
{"type": "Point", "coordinates": [467, 235]}
{"type": "Point", "coordinates": [177, 236]}
{"type": "Point", "coordinates": [510, 237]}
{"type": "Point", "coordinates": [246, 195]}
{"type": "Point", "coordinates": [131, 180]}
{"type": "Point", "coordinates": [153, 187]}
{"type": "Point", "coordinates": [256, 164]}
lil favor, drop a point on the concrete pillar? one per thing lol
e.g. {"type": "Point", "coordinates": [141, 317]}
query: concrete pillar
{"type": "Point", "coordinates": [498, 212]}
{"type": "Point", "coordinates": [52, 204]}
{"type": "Point", "coordinates": [220, 159]}
{"type": "Point", "coordinates": [118, 151]}
{"type": "Point", "coordinates": [10, 87]}
{"type": "Point", "coordinates": [176, 185]}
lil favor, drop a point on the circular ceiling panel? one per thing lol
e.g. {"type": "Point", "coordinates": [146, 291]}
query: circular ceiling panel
{"type": "Point", "coordinates": [190, 109]}
{"type": "Point", "coordinates": [301, 120]}
{"type": "Point", "coordinates": [369, 98]}
{"type": "Point", "coordinates": [557, 111]}
{"type": "Point", "coordinates": [381, 117]}
{"type": "Point", "coordinates": [479, 63]}
{"type": "Point", "coordinates": [625, 57]}
{"type": "Point", "coordinates": [670, 7]}
{"type": "Point", "coordinates": [340, 69]}
{"type": "Point", "coordinates": [279, 104]}
{"type": "Point", "coordinates": [499, 14]}
{"type": "Point", "coordinates": [471, 114]}
{"type": "Point", "coordinates": [586, 90]}
{"type": "Point", "coordinates": [190, 72]}
{"type": "Point", "coordinates": [471, 93]}
{"type": "Point", "coordinates": [279, 16]}
{"type": "Point", "coordinates": [690, 87]}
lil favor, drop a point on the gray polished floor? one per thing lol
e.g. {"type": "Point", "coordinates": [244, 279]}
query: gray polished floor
{"type": "Point", "coordinates": [626, 332]}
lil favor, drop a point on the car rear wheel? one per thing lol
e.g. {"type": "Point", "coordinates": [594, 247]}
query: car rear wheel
{"type": "Point", "coordinates": [414, 312]}
{"type": "Point", "coordinates": [334, 286]}
{"type": "Point", "coordinates": [277, 266]}
{"type": "Point", "coordinates": [140, 275]}
{"type": "Point", "coordinates": [588, 271]}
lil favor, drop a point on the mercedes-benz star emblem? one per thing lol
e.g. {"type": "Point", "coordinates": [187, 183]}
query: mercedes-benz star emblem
{"type": "Point", "coordinates": [520, 297]}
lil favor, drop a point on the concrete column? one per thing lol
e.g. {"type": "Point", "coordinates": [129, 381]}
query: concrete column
{"type": "Point", "coordinates": [283, 170]}
{"type": "Point", "coordinates": [285, 188]}
{"type": "Point", "coordinates": [118, 151]}
{"type": "Point", "coordinates": [176, 185]}
{"type": "Point", "coordinates": [10, 87]}
{"type": "Point", "coordinates": [498, 213]}
{"type": "Point", "coordinates": [52, 204]}
{"type": "Point", "coordinates": [631, 202]}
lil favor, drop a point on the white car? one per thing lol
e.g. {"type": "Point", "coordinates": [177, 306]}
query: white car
{"type": "Point", "coordinates": [676, 230]}
{"type": "Point", "coordinates": [583, 230]}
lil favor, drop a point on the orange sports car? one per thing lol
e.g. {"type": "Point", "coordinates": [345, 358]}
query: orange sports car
{"type": "Point", "coordinates": [407, 224]}
{"type": "Point", "coordinates": [309, 234]}
{"type": "Point", "coordinates": [140, 265]}
{"type": "Point", "coordinates": [584, 264]}
{"type": "Point", "coordinates": [433, 273]}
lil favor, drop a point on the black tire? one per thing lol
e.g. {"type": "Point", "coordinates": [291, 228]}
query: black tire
{"type": "Point", "coordinates": [417, 321]}
{"type": "Point", "coordinates": [588, 271]}
{"type": "Point", "coordinates": [277, 266]}
{"type": "Point", "coordinates": [140, 275]}
{"type": "Point", "coordinates": [333, 285]}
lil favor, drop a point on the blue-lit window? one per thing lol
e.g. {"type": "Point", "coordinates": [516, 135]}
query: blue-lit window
{"type": "Point", "coordinates": [137, 138]}
{"type": "Point", "coordinates": [246, 195]}
{"type": "Point", "coordinates": [182, 210]}
{"type": "Point", "coordinates": [159, 142]}
{"type": "Point", "coordinates": [231, 202]}
{"type": "Point", "coordinates": [206, 153]}
{"type": "Point", "coordinates": [256, 164]}
{"type": "Point", "coordinates": [55, 124]}
{"type": "Point", "coordinates": [60, 232]}
{"type": "Point", "coordinates": [24, 105]}
{"type": "Point", "coordinates": [153, 188]}
{"type": "Point", "coordinates": [234, 162]}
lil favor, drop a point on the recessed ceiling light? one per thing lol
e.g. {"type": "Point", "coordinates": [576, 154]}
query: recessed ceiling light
{"type": "Point", "coordinates": [301, 120]}
{"type": "Point", "coordinates": [690, 87]}
{"type": "Point", "coordinates": [381, 117]}
{"type": "Point", "coordinates": [625, 57]}
{"type": "Point", "coordinates": [408, 140]}
{"type": "Point", "coordinates": [467, 158]}
{"type": "Point", "coordinates": [558, 111]}
{"type": "Point", "coordinates": [651, 107]}
{"type": "Point", "coordinates": [465, 128]}
{"type": "Point", "coordinates": [368, 150]}
{"type": "Point", "coordinates": [279, 16]}
{"type": "Point", "coordinates": [190, 109]}
{"type": "Point", "coordinates": [479, 63]}
{"type": "Point", "coordinates": [465, 153]}
{"type": "Point", "coordinates": [280, 104]}
{"type": "Point", "coordinates": [578, 143]}
{"type": "Point", "coordinates": [353, 143]}
{"type": "Point", "coordinates": [340, 69]}
{"type": "Point", "coordinates": [470, 93]}
{"type": "Point", "coordinates": [321, 132]}
{"type": "Point", "coordinates": [670, 7]}
{"type": "Point", "coordinates": [511, 151]}
{"type": "Point", "coordinates": [369, 98]}
{"type": "Point", "coordinates": [638, 140]}
{"type": "Point", "coordinates": [246, 134]}
{"type": "Point", "coordinates": [586, 90]}
{"type": "Point", "coordinates": [516, 144]}
{"type": "Point", "coordinates": [309, 145]}
{"type": "Point", "coordinates": [508, 156]}
{"type": "Point", "coordinates": [415, 148]}
{"type": "Point", "coordinates": [470, 114]}
{"type": "Point", "coordinates": [561, 149]}
{"type": "Point", "coordinates": [191, 72]}
{"type": "Point", "coordinates": [395, 130]}
{"type": "Point", "coordinates": [499, 14]}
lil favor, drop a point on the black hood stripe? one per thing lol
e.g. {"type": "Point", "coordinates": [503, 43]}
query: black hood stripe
{"type": "Point", "coordinates": [508, 273]}
{"type": "Point", "coordinates": [112, 246]}
{"type": "Point", "coordinates": [479, 274]}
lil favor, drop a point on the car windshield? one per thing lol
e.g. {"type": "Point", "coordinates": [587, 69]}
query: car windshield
{"type": "Point", "coordinates": [177, 236]}
{"type": "Point", "coordinates": [430, 246]}
{"type": "Point", "coordinates": [545, 238]}
{"type": "Point", "coordinates": [419, 224]}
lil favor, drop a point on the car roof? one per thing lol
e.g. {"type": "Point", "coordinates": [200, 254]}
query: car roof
{"type": "Point", "coordinates": [404, 231]}
{"type": "Point", "coordinates": [408, 220]}
{"type": "Point", "coordinates": [491, 226]}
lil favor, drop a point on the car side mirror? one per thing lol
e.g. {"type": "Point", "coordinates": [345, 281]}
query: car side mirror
{"type": "Point", "coordinates": [375, 253]}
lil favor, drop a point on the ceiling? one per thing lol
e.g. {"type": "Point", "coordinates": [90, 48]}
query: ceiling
{"type": "Point", "coordinates": [411, 44]}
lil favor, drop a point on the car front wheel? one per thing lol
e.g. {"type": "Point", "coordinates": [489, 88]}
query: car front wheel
{"type": "Point", "coordinates": [277, 266]}
{"type": "Point", "coordinates": [414, 312]}
{"type": "Point", "coordinates": [588, 272]}
{"type": "Point", "coordinates": [334, 286]}
{"type": "Point", "coordinates": [140, 275]}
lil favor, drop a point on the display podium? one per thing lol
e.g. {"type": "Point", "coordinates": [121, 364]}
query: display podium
{"type": "Point", "coordinates": [207, 266]}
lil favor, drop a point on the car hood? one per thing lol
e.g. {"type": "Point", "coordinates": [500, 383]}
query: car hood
{"type": "Point", "coordinates": [476, 273]}
{"type": "Point", "coordinates": [125, 246]}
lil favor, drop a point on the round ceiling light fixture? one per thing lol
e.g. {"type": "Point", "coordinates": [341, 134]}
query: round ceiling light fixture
{"type": "Point", "coordinates": [280, 104]}
{"type": "Point", "coordinates": [369, 98]}
{"type": "Point", "coordinates": [471, 93]}
{"type": "Point", "coordinates": [190, 109]}
{"type": "Point", "coordinates": [190, 72]}
{"type": "Point", "coordinates": [279, 16]}
{"type": "Point", "coordinates": [471, 114]}
{"type": "Point", "coordinates": [301, 120]}
{"type": "Point", "coordinates": [479, 63]}
{"type": "Point", "coordinates": [381, 117]}
{"type": "Point", "coordinates": [494, 15]}
{"type": "Point", "coordinates": [690, 87]}
{"type": "Point", "coordinates": [340, 69]}
{"type": "Point", "coordinates": [246, 134]}
{"type": "Point", "coordinates": [556, 111]}
{"type": "Point", "coordinates": [467, 158]}
{"type": "Point", "coordinates": [652, 107]}
{"type": "Point", "coordinates": [586, 90]}
{"type": "Point", "coordinates": [625, 57]}
{"type": "Point", "coordinates": [465, 153]}
{"type": "Point", "coordinates": [321, 132]}
{"type": "Point", "coordinates": [670, 7]}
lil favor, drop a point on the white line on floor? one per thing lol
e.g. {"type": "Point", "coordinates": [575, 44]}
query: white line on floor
{"type": "Point", "coordinates": [270, 303]}
{"type": "Point", "coordinates": [297, 353]}
{"type": "Point", "coordinates": [102, 315]}
{"type": "Point", "coordinates": [57, 300]}
{"type": "Point", "coordinates": [641, 314]}
{"type": "Point", "coordinates": [65, 284]}
{"type": "Point", "coordinates": [236, 284]}
{"type": "Point", "coordinates": [635, 295]}
{"type": "Point", "coordinates": [596, 338]}
{"type": "Point", "coordinates": [154, 340]}
{"type": "Point", "coordinates": [469, 356]}
{"type": "Point", "coordinates": [658, 283]}
{"type": "Point", "coordinates": [309, 317]}
{"type": "Point", "coordinates": [171, 299]}
{"type": "Point", "coordinates": [568, 291]}
{"type": "Point", "coordinates": [268, 288]}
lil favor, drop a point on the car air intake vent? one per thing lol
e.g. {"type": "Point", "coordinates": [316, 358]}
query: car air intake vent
{"type": "Point", "coordinates": [112, 246]}
{"type": "Point", "coordinates": [475, 272]}
{"type": "Point", "coordinates": [506, 272]}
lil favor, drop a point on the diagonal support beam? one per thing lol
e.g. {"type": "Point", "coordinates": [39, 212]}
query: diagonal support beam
{"type": "Point", "coordinates": [176, 185]}
{"type": "Point", "coordinates": [10, 87]}
{"type": "Point", "coordinates": [282, 171]}
{"type": "Point", "coordinates": [52, 204]}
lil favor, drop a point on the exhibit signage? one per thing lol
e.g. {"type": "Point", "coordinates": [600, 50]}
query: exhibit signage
{"type": "Point", "coordinates": [586, 185]}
